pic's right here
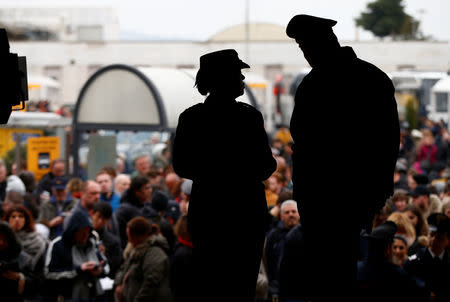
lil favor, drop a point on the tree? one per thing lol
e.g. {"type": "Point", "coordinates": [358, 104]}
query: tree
{"type": "Point", "coordinates": [388, 18]}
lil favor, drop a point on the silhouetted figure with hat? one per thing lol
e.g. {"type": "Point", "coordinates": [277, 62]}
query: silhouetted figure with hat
{"type": "Point", "coordinates": [222, 146]}
{"type": "Point", "coordinates": [353, 101]}
{"type": "Point", "coordinates": [379, 279]}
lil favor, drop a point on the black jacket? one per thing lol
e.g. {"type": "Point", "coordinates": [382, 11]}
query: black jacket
{"type": "Point", "coordinates": [435, 273]}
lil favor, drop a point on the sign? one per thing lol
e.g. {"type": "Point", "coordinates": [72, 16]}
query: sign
{"type": "Point", "coordinates": [8, 137]}
{"type": "Point", "coordinates": [41, 151]}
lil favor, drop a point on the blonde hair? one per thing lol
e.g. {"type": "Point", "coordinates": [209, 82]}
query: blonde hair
{"type": "Point", "coordinates": [404, 225]}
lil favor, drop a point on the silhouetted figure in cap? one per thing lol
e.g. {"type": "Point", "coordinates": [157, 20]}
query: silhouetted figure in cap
{"type": "Point", "coordinates": [218, 143]}
{"type": "Point", "coordinates": [353, 102]}
{"type": "Point", "coordinates": [381, 280]}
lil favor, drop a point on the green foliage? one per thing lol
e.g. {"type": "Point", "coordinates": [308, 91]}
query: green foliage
{"type": "Point", "coordinates": [10, 157]}
{"type": "Point", "coordinates": [388, 18]}
{"type": "Point", "coordinates": [412, 108]}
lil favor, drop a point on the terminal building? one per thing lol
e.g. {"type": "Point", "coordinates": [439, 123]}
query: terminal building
{"type": "Point", "coordinates": [79, 40]}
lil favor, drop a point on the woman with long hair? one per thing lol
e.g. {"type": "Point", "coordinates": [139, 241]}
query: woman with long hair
{"type": "Point", "coordinates": [22, 223]}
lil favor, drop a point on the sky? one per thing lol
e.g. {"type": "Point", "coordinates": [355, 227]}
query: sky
{"type": "Point", "coordinates": [200, 19]}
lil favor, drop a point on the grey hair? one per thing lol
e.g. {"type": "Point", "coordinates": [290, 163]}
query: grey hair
{"type": "Point", "coordinates": [288, 202]}
{"type": "Point", "coordinates": [120, 177]}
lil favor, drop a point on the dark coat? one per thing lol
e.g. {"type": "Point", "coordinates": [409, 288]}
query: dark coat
{"type": "Point", "coordinates": [435, 274]}
{"type": "Point", "coordinates": [384, 281]}
{"type": "Point", "coordinates": [128, 209]}
{"type": "Point", "coordinates": [346, 138]}
{"type": "Point", "coordinates": [145, 274]}
{"type": "Point", "coordinates": [274, 250]}
{"type": "Point", "coordinates": [348, 104]}
{"type": "Point", "coordinates": [113, 251]}
{"type": "Point", "coordinates": [291, 287]}
{"type": "Point", "coordinates": [182, 271]}
{"type": "Point", "coordinates": [222, 146]}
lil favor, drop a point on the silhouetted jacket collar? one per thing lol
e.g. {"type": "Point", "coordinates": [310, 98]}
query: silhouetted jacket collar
{"type": "Point", "coordinates": [343, 56]}
{"type": "Point", "coordinates": [217, 101]}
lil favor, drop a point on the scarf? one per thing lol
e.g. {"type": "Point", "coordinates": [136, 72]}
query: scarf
{"type": "Point", "coordinates": [33, 244]}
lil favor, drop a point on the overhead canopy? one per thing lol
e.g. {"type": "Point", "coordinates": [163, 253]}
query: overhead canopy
{"type": "Point", "coordinates": [38, 120]}
{"type": "Point", "coordinates": [122, 97]}
{"type": "Point", "coordinates": [442, 85]}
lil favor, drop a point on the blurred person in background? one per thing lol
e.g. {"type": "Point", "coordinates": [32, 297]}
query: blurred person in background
{"type": "Point", "coordinates": [109, 243]}
{"type": "Point", "coordinates": [16, 278]}
{"type": "Point", "coordinates": [186, 190]}
{"type": "Point", "coordinates": [431, 264]}
{"type": "Point", "coordinates": [182, 266]}
{"type": "Point", "coordinates": [426, 154]}
{"type": "Point", "coordinates": [381, 280]}
{"type": "Point", "coordinates": [446, 209]}
{"type": "Point", "coordinates": [404, 227]}
{"type": "Point", "coordinates": [22, 223]}
{"type": "Point", "coordinates": [399, 250]}
{"type": "Point", "coordinates": [121, 184]}
{"type": "Point", "coordinates": [275, 211]}
{"type": "Point", "coordinates": [3, 175]}
{"type": "Point", "coordinates": [173, 184]}
{"type": "Point", "coordinates": [107, 193]}
{"type": "Point", "coordinates": [57, 169]}
{"type": "Point", "coordinates": [30, 199]}
{"type": "Point", "coordinates": [54, 211]}
{"type": "Point", "coordinates": [74, 263]}
{"type": "Point", "coordinates": [145, 274]}
{"type": "Point", "coordinates": [275, 244]}
{"type": "Point", "coordinates": [74, 188]}
{"type": "Point", "coordinates": [142, 165]}
{"type": "Point", "coordinates": [132, 204]}
{"type": "Point", "coordinates": [90, 196]}
{"type": "Point", "coordinates": [12, 199]}
{"type": "Point", "coordinates": [399, 200]}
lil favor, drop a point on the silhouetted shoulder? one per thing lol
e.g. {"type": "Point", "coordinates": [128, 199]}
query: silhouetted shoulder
{"type": "Point", "coordinates": [375, 73]}
{"type": "Point", "coordinates": [193, 109]}
{"type": "Point", "coordinates": [248, 108]}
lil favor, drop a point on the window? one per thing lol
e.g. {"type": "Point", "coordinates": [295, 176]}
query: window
{"type": "Point", "coordinates": [441, 102]}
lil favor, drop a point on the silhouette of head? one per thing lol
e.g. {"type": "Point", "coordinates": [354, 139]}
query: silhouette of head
{"type": "Point", "coordinates": [314, 36]}
{"type": "Point", "coordinates": [220, 74]}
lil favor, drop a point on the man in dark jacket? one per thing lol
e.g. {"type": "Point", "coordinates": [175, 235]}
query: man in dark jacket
{"type": "Point", "coordinates": [355, 100]}
{"type": "Point", "coordinates": [109, 243]}
{"type": "Point", "coordinates": [432, 264]}
{"type": "Point", "coordinates": [275, 244]}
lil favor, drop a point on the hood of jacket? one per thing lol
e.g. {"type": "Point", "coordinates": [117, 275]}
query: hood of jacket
{"type": "Point", "coordinates": [77, 221]}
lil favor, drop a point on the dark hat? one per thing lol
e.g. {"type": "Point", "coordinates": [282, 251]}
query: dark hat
{"type": "Point", "coordinates": [440, 223]}
{"type": "Point", "coordinates": [420, 179]}
{"type": "Point", "coordinates": [305, 26]}
{"type": "Point", "coordinates": [420, 190]}
{"type": "Point", "coordinates": [384, 232]}
{"type": "Point", "coordinates": [160, 201]}
{"type": "Point", "coordinates": [59, 183]}
{"type": "Point", "coordinates": [226, 58]}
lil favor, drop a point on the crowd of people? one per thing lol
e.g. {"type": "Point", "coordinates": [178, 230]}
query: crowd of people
{"type": "Point", "coordinates": [121, 237]}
